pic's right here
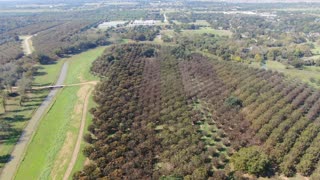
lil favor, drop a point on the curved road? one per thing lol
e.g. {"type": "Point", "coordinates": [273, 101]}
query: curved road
{"type": "Point", "coordinates": [17, 154]}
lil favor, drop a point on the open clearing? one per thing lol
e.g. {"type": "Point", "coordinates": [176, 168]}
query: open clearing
{"type": "Point", "coordinates": [207, 30]}
{"type": "Point", "coordinates": [309, 74]}
{"type": "Point", "coordinates": [202, 30]}
{"type": "Point", "coordinates": [51, 149]}
{"type": "Point", "coordinates": [201, 23]}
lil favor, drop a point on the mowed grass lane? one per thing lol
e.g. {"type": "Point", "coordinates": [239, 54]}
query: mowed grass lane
{"type": "Point", "coordinates": [81, 160]}
{"type": "Point", "coordinates": [50, 151]}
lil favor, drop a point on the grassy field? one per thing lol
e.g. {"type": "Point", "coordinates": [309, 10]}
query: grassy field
{"type": "Point", "coordinates": [310, 75]}
{"type": "Point", "coordinates": [79, 66]}
{"type": "Point", "coordinates": [202, 30]}
{"type": "Point", "coordinates": [207, 30]}
{"type": "Point", "coordinates": [50, 151]}
{"type": "Point", "coordinates": [48, 74]}
{"type": "Point", "coordinates": [17, 116]}
{"type": "Point", "coordinates": [201, 23]}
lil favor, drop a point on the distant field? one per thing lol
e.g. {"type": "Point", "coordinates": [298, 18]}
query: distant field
{"type": "Point", "coordinates": [209, 31]}
{"type": "Point", "coordinates": [306, 75]}
{"type": "Point", "coordinates": [29, 10]}
{"type": "Point", "coordinates": [50, 151]}
{"type": "Point", "coordinates": [201, 23]}
{"type": "Point", "coordinates": [199, 31]}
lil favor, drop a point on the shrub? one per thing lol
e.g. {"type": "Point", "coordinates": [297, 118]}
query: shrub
{"type": "Point", "coordinates": [233, 101]}
{"type": "Point", "coordinates": [252, 160]}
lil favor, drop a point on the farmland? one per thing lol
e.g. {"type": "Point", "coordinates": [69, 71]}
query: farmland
{"type": "Point", "coordinates": [159, 90]}
{"type": "Point", "coordinates": [219, 112]}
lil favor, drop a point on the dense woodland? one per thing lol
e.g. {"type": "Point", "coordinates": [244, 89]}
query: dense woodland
{"type": "Point", "coordinates": [163, 116]}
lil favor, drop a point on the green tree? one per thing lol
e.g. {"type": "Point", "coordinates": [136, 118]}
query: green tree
{"type": "Point", "coordinates": [252, 160]}
{"type": "Point", "coordinates": [258, 58]}
{"type": "Point", "coordinates": [297, 63]}
{"type": "Point", "coordinates": [24, 84]}
{"type": "Point", "coordinates": [317, 62]}
{"type": "Point", "coordinates": [237, 58]}
{"type": "Point", "coordinates": [233, 101]}
{"type": "Point", "coordinates": [3, 96]}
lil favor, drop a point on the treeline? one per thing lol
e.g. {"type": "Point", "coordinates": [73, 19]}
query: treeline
{"type": "Point", "coordinates": [163, 116]}
{"type": "Point", "coordinates": [242, 50]}
{"type": "Point", "coordinates": [68, 38]}
{"type": "Point", "coordinates": [255, 25]}
{"type": "Point", "coordinates": [14, 73]}
{"type": "Point", "coordinates": [136, 33]}
{"type": "Point", "coordinates": [142, 33]}
{"type": "Point", "coordinates": [63, 33]}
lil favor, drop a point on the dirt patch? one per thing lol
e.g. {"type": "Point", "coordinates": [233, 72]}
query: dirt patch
{"type": "Point", "coordinates": [27, 45]}
{"type": "Point", "coordinates": [87, 161]}
{"type": "Point", "coordinates": [65, 154]}
{"type": "Point", "coordinates": [80, 134]}
{"type": "Point", "coordinates": [82, 93]}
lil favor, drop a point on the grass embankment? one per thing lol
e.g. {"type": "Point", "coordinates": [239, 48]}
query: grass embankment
{"type": "Point", "coordinates": [50, 151]}
{"type": "Point", "coordinates": [81, 160]}
{"type": "Point", "coordinates": [17, 116]}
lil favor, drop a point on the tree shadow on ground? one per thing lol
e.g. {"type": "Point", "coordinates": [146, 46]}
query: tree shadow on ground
{"type": "Point", "coordinates": [33, 105]}
{"type": "Point", "coordinates": [11, 137]}
{"type": "Point", "coordinates": [15, 118]}
{"type": "Point", "coordinates": [5, 158]}
{"type": "Point", "coordinates": [20, 110]}
{"type": "Point", "coordinates": [39, 73]}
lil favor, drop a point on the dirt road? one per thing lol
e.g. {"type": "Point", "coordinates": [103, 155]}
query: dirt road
{"type": "Point", "coordinates": [165, 18]}
{"type": "Point", "coordinates": [27, 45]}
{"type": "Point", "coordinates": [79, 139]}
{"type": "Point", "coordinates": [17, 154]}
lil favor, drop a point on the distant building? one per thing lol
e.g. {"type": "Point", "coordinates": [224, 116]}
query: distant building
{"type": "Point", "coordinates": [143, 23]}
